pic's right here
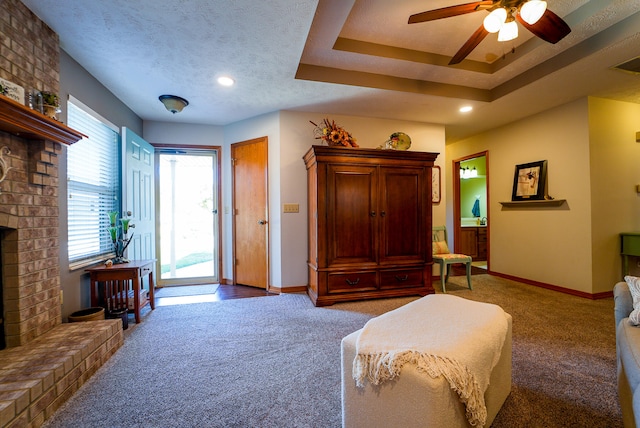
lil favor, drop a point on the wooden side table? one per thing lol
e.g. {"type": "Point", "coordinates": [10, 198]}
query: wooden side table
{"type": "Point", "coordinates": [131, 273]}
{"type": "Point", "coordinates": [630, 246]}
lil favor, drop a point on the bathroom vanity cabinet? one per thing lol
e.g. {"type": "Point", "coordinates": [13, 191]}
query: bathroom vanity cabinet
{"type": "Point", "coordinates": [473, 242]}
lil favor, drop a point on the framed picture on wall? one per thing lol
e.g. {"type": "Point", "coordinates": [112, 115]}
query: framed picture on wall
{"type": "Point", "coordinates": [529, 181]}
{"type": "Point", "coordinates": [435, 185]}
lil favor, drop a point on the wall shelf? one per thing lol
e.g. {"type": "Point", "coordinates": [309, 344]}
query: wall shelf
{"type": "Point", "coordinates": [536, 203]}
{"type": "Point", "coordinates": [24, 122]}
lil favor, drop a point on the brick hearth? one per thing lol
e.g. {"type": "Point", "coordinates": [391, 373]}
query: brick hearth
{"type": "Point", "coordinates": [35, 380]}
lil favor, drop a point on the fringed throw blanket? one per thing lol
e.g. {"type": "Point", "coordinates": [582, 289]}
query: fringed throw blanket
{"type": "Point", "coordinates": [442, 335]}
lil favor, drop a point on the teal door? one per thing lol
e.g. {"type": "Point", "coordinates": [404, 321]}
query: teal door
{"type": "Point", "coordinates": [138, 197]}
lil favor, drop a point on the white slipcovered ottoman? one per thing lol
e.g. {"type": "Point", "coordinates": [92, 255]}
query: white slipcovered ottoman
{"type": "Point", "coordinates": [414, 398]}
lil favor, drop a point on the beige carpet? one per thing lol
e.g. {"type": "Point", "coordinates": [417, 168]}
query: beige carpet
{"type": "Point", "coordinates": [564, 355]}
{"type": "Point", "coordinates": [275, 362]}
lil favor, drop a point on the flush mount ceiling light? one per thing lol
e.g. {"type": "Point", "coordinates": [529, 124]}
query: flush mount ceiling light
{"type": "Point", "coordinates": [465, 109]}
{"type": "Point", "coordinates": [173, 103]}
{"type": "Point", "coordinates": [226, 81]}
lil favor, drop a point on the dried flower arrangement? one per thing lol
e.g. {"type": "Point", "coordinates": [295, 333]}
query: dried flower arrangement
{"type": "Point", "coordinates": [333, 134]}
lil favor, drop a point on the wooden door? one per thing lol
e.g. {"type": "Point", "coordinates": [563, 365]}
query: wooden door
{"type": "Point", "coordinates": [250, 208]}
{"type": "Point", "coordinates": [138, 194]}
{"type": "Point", "coordinates": [352, 213]}
{"type": "Point", "coordinates": [402, 219]}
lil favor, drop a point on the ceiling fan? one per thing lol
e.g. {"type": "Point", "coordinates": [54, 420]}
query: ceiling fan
{"type": "Point", "coordinates": [532, 14]}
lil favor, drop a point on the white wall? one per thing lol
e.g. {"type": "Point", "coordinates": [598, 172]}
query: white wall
{"type": "Point", "coordinates": [548, 245]}
{"type": "Point", "coordinates": [615, 204]}
{"type": "Point", "coordinates": [182, 133]}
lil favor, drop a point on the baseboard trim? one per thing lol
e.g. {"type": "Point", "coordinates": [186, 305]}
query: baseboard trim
{"type": "Point", "coordinates": [273, 289]}
{"type": "Point", "coordinates": [281, 290]}
{"type": "Point", "coordinates": [596, 296]}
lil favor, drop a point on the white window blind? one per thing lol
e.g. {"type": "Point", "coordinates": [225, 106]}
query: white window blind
{"type": "Point", "coordinates": [93, 187]}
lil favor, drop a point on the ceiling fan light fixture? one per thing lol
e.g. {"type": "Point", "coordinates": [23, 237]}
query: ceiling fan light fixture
{"type": "Point", "coordinates": [532, 11]}
{"type": "Point", "coordinates": [495, 20]}
{"type": "Point", "coordinates": [509, 31]}
{"type": "Point", "coordinates": [173, 103]}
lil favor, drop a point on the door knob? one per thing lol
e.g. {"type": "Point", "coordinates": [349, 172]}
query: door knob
{"type": "Point", "coordinates": [262, 222]}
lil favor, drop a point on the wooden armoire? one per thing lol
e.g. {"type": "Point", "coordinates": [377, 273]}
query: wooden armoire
{"type": "Point", "coordinates": [369, 223]}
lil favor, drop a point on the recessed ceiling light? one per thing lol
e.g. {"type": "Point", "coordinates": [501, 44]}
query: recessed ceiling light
{"type": "Point", "coordinates": [226, 81]}
{"type": "Point", "coordinates": [466, 109]}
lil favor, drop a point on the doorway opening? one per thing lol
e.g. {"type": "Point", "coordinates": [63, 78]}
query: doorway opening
{"type": "Point", "coordinates": [188, 223]}
{"type": "Point", "coordinates": [471, 207]}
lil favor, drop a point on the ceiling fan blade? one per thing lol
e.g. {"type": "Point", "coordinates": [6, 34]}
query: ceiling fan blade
{"type": "Point", "coordinates": [550, 28]}
{"type": "Point", "coordinates": [449, 11]}
{"type": "Point", "coordinates": [470, 45]}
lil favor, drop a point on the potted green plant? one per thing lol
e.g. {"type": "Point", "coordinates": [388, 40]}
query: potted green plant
{"type": "Point", "coordinates": [50, 104]}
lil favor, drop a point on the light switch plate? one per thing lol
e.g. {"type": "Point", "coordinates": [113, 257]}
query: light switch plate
{"type": "Point", "coordinates": [291, 208]}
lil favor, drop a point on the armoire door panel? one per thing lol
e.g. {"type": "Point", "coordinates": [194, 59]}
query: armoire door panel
{"type": "Point", "coordinates": [352, 214]}
{"type": "Point", "coordinates": [402, 217]}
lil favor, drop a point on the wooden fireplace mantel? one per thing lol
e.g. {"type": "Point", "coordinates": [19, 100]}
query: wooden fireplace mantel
{"type": "Point", "coordinates": [24, 122]}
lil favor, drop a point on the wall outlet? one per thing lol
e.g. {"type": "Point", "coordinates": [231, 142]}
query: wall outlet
{"type": "Point", "coordinates": [291, 208]}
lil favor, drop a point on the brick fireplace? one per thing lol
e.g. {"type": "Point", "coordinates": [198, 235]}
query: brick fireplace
{"type": "Point", "coordinates": [45, 360]}
{"type": "Point", "coordinates": [29, 238]}
{"type": "Point", "coordinates": [29, 194]}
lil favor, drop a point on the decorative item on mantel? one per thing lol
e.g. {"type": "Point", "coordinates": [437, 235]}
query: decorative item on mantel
{"type": "Point", "coordinates": [397, 141]}
{"type": "Point", "coordinates": [333, 134]}
{"type": "Point", "coordinates": [11, 90]}
{"type": "Point", "coordinates": [50, 105]}
{"type": "Point", "coordinates": [119, 236]}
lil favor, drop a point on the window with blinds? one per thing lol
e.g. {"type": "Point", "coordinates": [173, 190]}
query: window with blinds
{"type": "Point", "coordinates": [93, 183]}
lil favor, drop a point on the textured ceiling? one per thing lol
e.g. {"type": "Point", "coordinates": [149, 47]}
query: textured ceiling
{"type": "Point", "coordinates": [355, 57]}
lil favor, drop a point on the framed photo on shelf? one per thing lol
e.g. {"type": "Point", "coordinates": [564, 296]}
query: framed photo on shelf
{"type": "Point", "coordinates": [529, 181]}
{"type": "Point", "coordinates": [435, 185]}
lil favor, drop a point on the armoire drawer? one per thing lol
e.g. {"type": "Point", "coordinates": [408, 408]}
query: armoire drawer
{"type": "Point", "coordinates": [401, 278]}
{"type": "Point", "coordinates": [351, 282]}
